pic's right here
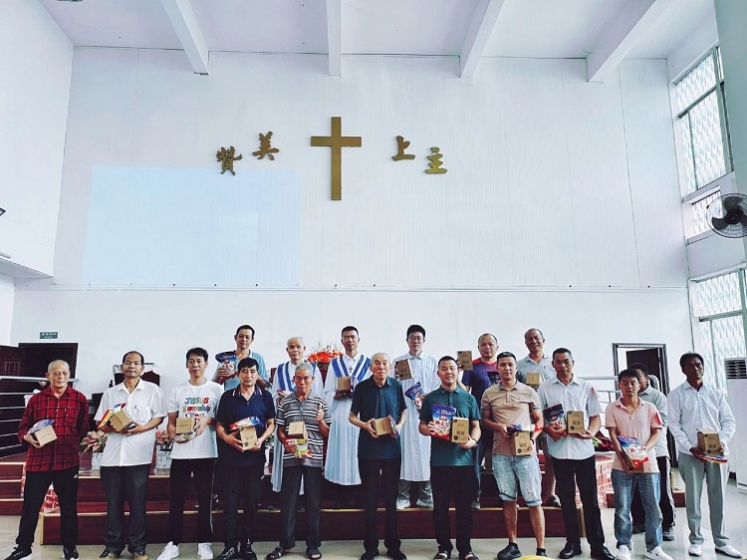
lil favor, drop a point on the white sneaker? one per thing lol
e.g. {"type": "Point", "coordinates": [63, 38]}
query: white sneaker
{"type": "Point", "coordinates": [729, 550]}
{"type": "Point", "coordinates": [657, 554]}
{"type": "Point", "coordinates": [623, 553]}
{"type": "Point", "coordinates": [695, 550]}
{"type": "Point", "coordinates": [169, 552]}
{"type": "Point", "coordinates": [402, 504]}
{"type": "Point", "coordinates": [205, 551]}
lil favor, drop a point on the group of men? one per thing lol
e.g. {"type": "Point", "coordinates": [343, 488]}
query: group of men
{"type": "Point", "coordinates": [381, 427]}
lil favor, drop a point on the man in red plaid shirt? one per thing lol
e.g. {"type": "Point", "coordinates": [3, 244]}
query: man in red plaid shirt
{"type": "Point", "coordinates": [56, 463]}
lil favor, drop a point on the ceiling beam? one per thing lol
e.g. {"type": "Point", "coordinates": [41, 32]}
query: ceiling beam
{"type": "Point", "coordinates": [185, 24]}
{"type": "Point", "coordinates": [629, 27]}
{"type": "Point", "coordinates": [483, 21]}
{"type": "Point", "coordinates": [334, 36]}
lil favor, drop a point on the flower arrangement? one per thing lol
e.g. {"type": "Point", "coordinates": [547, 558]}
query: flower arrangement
{"type": "Point", "coordinates": [95, 442]}
{"type": "Point", "coordinates": [324, 354]}
{"type": "Point", "coordinates": [163, 441]}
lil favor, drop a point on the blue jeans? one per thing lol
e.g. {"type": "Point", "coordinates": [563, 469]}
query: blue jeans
{"type": "Point", "coordinates": [623, 484]}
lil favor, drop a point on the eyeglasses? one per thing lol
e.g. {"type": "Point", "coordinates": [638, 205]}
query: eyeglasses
{"type": "Point", "coordinates": [415, 338]}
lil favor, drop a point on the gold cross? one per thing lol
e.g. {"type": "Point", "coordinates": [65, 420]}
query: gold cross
{"type": "Point", "coordinates": [337, 142]}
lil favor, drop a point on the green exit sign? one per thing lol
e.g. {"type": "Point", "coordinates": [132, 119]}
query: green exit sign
{"type": "Point", "coordinates": [47, 335]}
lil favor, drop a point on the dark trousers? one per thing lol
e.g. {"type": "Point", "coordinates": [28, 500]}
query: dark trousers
{"type": "Point", "coordinates": [666, 499]}
{"type": "Point", "coordinates": [370, 471]}
{"type": "Point", "coordinates": [66, 487]}
{"type": "Point", "coordinates": [239, 486]}
{"type": "Point", "coordinates": [484, 447]}
{"type": "Point", "coordinates": [459, 483]}
{"type": "Point", "coordinates": [120, 484]}
{"type": "Point", "coordinates": [181, 471]}
{"type": "Point", "coordinates": [312, 484]}
{"type": "Point", "coordinates": [582, 472]}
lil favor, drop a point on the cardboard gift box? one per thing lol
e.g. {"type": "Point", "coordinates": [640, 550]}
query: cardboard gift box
{"type": "Point", "coordinates": [534, 379]}
{"type": "Point", "coordinates": [45, 435]}
{"type": "Point", "coordinates": [402, 370]}
{"type": "Point", "coordinates": [248, 436]}
{"type": "Point", "coordinates": [709, 442]}
{"type": "Point", "coordinates": [521, 443]}
{"type": "Point", "coordinates": [383, 426]}
{"type": "Point", "coordinates": [121, 421]}
{"type": "Point", "coordinates": [185, 425]}
{"type": "Point", "coordinates": [459, 430]}
{"type": "Point", "coordinates": [575, 422]}
{"type": "Point", "coordinates": [345, 385]}
{"type": "Point", "coordinates": [297, 430]}
{"type": "Point", "coordinates": [464, 359]}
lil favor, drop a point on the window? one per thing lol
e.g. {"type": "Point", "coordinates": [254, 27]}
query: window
{"type": "Point", "coordinates": [719, 305]}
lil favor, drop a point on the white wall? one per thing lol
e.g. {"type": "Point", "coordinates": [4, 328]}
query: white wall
{"type": "Point", "coordinates": [7, 293]}
{"type": "Point", "coordinates": [560, 208]}
{"type": "Point", "coordinates": [34, 95]}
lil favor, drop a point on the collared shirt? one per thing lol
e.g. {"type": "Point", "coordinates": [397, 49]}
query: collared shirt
{"type": "Point", "coordinates": [443, 452]}
{"type": "Point", "coordinates": [639, 424]}
{"type": "Point", "coordinates": [659, 400]}
{"type": "Point", "coordinates": [232, 407]}
{"type": "Point", "coordinates": [691, 410]}
{"type": "Point", "coordinates": [230, 356]}
{"type": "Point", "coordinates": [577, 395]}
{"type": "Point", "coordinates": [512, 406]}
{"type": "Point", "coordinates": [145, 403]}
{"type": "Point", "coordinates": [482, 376]}
{"type": "Point", "coordinates": [70, 415]}
{"type": "Point", "coordinates": [292, 409]}
{"type": "Point", "coordinates": [528, 365]}
{"type": "Point", "coordinates": [371, 401]}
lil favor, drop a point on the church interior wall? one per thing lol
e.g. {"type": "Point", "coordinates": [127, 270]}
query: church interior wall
{"type": "Point", "coordinates": [7, 296]}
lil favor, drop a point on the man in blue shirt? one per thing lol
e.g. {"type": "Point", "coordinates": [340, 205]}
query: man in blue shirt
{"type": "Point", "coordinates": [240, 469]}
{"type": "Point", "coordinates": [452, 464]}
{"type": "Point", "coordinates": [379, 398]}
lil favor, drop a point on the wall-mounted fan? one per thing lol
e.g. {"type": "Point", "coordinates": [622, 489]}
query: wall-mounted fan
{"type": "Point", "coordinates": [727, 215]}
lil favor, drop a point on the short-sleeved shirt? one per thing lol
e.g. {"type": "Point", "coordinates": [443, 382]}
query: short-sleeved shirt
{"type": "Point", "coordinates": [481, 377]}
{"type": "Point", "coordinates": [233, 406]}
{"type": "Point", "coordinates": [70, 415]}
{"type": "Point", "coordinates": [638, 424]}
{"type": "Point", "coordinates": [577, 395]}
{"type": "Point", "coordinates": [145, 403]}
{"type": "Point", "coordinates": [527, 365]}
{"type": "Point", "coordinates": [659, 400]}
{"type": "Point", "coordinates": [371, 401]}
{"type": "Point", "coordinates": [512, 406]}
{"type": "Point", "coordinates": [194, 401]}
{"type": "Point", "coordinates": [230, 356]}
{"type": "Point", "coordinates": [292, 409]}
{"type": "Point", "coordinates": [443, 452]}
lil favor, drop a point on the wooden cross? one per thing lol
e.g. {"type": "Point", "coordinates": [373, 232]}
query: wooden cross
{"type": "Point", "coordinates": [337, 142]}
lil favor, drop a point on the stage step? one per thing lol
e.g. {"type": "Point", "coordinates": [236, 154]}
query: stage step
{"type": "Point", "coordinates": [11, 506]}
{"type": "Point", "coordinates": [415, 523]}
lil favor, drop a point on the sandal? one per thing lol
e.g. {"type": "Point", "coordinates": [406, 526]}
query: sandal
{"type": "Point", "coordinates": [469, 556]}
{"type": "Point", "coordinates": [442, 555]}
{"type": "Point", "coordinates": [313, 553]}
{"type": "Point", "coordinates": [277, 553]}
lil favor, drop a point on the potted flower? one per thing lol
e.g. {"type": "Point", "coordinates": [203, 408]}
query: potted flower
{"type": "Point", "coordinates": [163, 449]}
{"type": "Point", "coordinates": [322, 356]}
{"type": "Point", "coordinates": [95, 442]}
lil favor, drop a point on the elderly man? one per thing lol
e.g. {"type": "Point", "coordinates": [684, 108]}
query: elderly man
{"type": "Point", "coordinates": [379, 400]}
{"type": "Point", "coordinates": [56, 462]}
{"type": "Point", "coordinates": [696, 405]}
{"type": "Point", "coordinates": [227, 371]}
{"type": "Point", "coordinates": [125, 465]}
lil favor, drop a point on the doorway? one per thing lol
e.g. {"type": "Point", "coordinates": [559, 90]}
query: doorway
{"type": "Point", "coordinates": [653, 356]}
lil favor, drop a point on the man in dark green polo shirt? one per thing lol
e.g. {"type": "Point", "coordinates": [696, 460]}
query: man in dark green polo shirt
{"type": "Point", "coordinates": [452, 464]}
{"type": "Point", "coordinates": [379, 398]}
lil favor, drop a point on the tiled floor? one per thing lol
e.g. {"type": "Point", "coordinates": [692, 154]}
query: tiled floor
{"type": "Point", "coordinates": [736, 525]}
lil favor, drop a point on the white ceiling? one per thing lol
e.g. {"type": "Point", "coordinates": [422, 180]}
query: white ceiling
{"type": "Point", "coordinates": [523, 28]}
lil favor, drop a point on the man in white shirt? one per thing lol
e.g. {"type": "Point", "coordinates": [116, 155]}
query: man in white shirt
{"type": "Point", "coordinates": [227, 373]}
{"type": "Point", "coordinates": [194, 402]}
{"type": "Point", "coordinates": [126, 460]}
{"type": "Point", "coordinates": [416, 449]}
{"type": "Point", "coordinates": [537, 362]}
{"type": "Point", "coordinates": [341, 466]}
{"type": "Point", "coordinates": [695, 406]}
{"type": "Point", "coordinates": [575, 463]}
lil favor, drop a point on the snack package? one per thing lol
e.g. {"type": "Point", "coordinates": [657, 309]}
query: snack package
{"type": "Point", "coordinates": [416, 394]}
{"type": "Point", "coordinates": [555, 415]}
{"type": "Point", "coordinates": [635, 455]}
{"type": "Point", "coordinates": [245, 423]}
{"type": "Point", "coordinates": [302, 447]}
{"type": "Point", "coordinates": [442, 415]}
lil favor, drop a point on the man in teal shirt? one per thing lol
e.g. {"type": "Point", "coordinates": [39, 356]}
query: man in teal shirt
{"type": "Point", "coordinates": [452, 464]}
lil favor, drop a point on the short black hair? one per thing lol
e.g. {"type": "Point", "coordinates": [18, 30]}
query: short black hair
{"type": "Point", "coordinates": [630, 372]}
{"type": "Point", "coordinates": [506, 355]}
{"type": "Point", "coordinates": [562, 351]}
{"type": "Point", "coordinates": [197, 351]}
{"type": "Point", "coordinates": [245, 327]}
{"type": "Point", "coordinates": [415, 329]}
{"type": "Point", "coordinates": [248, 363]}
{"type": "Point", "coordinates": [142, 359]}
{"type": "Point", "coordinates": [447, 359]}
{"type": "Point", "coordinates": [687, 355]}
{"type": "Point", "coordinates": [349, 328]}
{"type": "Point", "coordinates": [643, 368]}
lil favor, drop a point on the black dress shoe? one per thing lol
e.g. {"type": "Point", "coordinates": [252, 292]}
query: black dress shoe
{"type": "Point", "coordinates": [396, 554]}
{"type": "Point", "coordinates": [570, 550]}
{"type": "Point", "coordinates": [510, 552]}
{"type": "Point", "coordinates": [601, 553]}
{"type": "Point", "coordinates": [370, 554]}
